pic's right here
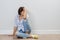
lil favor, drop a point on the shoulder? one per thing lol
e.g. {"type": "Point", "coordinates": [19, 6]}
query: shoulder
{"type": "Point", "coordinates": [16, 17]}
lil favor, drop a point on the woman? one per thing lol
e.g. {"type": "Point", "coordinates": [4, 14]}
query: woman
{"type": "Point", "coordinates": [21, 27]}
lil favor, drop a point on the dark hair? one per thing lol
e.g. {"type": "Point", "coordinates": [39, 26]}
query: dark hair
{"type": "Point", "coordinates": [20, 10]}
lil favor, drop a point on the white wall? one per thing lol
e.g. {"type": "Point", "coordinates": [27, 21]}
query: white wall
{"type": "Point", "coordinates": [44, 15]}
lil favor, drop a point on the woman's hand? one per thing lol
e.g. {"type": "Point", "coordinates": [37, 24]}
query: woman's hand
{"type": "Point", "coordinates": [27, 32]}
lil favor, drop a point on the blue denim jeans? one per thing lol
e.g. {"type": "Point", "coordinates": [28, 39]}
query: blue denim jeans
{"type": "Point", "coordinates": [23, 35]}
{"type": "Point", "coordinates": [26, 27]}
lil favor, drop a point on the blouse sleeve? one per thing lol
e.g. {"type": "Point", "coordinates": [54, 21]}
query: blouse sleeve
{"type": "Point", "coordinates": [27, 16]}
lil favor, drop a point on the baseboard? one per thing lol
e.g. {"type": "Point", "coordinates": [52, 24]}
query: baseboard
{"type": "Point", "coordinates": [6, 32]}
{"type": "Point", "coordinates": [9, 32]}
{"type": "Point", "coordinates": [46, 31]}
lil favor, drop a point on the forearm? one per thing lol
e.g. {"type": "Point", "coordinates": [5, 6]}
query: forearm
{"type": "Point", "coordinates": [14, 31]}
{"type": "Point", "coordinates": [25, 13]}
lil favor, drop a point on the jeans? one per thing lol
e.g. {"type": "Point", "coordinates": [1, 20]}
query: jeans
{"type": "Point", "coordinates": [20, 34]}
{"type": "Point", "coordinates": [26, 27]}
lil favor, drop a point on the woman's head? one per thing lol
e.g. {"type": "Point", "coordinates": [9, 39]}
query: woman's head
{"type": "Point", "coordinates": [21, 11]}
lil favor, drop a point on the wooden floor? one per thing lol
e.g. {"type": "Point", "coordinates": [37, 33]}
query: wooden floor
{"type": "Point", "coordinates": [41, 37]}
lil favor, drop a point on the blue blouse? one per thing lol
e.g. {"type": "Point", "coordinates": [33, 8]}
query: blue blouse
{"type": "Point", "coordinates": [22, 25]}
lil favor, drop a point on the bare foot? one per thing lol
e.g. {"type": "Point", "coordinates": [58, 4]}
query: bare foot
{"type": "Point", "coordinates": [35, 36]}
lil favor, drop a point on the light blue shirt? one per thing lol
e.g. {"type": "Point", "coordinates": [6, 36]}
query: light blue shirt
{"type": "Point", "coordinates": [22, 24]}
{"type": "Point", "coordinates": [19, 23]}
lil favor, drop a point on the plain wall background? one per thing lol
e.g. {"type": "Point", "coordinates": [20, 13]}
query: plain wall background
{"type": "Point", "coordinates": [44, 15]}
